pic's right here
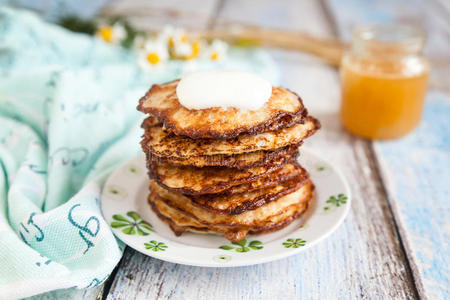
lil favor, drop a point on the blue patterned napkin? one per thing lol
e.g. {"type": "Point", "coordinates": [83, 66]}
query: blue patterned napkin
{"type": "Point", "coordinates": [68, 118]}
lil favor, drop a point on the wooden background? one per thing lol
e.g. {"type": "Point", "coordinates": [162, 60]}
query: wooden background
{"type": "Point", "coordinates": [394, 243]}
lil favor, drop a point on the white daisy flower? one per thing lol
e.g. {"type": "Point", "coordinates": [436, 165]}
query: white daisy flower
{"type": "Point", "coordinates": [165, 34]}
{"type": "Point", "coordinates": [139, 42]}
{"type": "Point", "coordinates": [181, 50]}
{"type": "Point", "coordinates": [153, 54]}
{"type": "Point", "coordinates": [217, 50]}
{"type": "Point", "coordinates": [177, 36]}
{"type": "Point", "coordinates": [113, 34]}
{"type": "Point", "coordinates": [180, 46]}
{"type": "Point", "coordinates": [197, 46]}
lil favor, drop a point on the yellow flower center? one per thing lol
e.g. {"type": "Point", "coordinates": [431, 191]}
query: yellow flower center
{"type": "Point", "coordinates": [195, 50]}
{"type": "Point", "coordinates": [215, 56]}
{"type": "Point", "coordinates": [153, 58]}
{"type": "Point", "coordinates": [183, 39]}
{"type": "Point", "coordinates": [106, 33]}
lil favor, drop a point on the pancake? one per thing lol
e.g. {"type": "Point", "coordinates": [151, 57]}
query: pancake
{"type": "Point", "coordinates": [249, 217]}
{"type": "Point", "coordinates": [238, 161]}
{"type": "Point", "coordinates": [208, 180]}
{"type": "Point", "coordinates": [294, 205]}
{"type": "Point", "coordinates": [218, 123]}
{"type": "Point", "coordinates": [163, 144]}
{"type": "Point", "coordinates": [233, 233]}
{"type": "Point", "coordinates": [285, 173]}
{"type": "Point", "coordinates": [238, 203]}
{"type": "Point", "coordinates": [284, 122]}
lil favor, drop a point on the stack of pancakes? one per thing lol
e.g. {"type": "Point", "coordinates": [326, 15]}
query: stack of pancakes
{"type": "Point", "coordinates": [226, 171]}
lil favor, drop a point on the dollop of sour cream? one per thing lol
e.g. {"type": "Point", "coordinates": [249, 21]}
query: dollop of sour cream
{"type": "Point", "coordinates": [223, 88]}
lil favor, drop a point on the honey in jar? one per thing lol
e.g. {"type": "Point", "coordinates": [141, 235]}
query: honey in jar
{"type": "Point", "coordinates": [384, 81]}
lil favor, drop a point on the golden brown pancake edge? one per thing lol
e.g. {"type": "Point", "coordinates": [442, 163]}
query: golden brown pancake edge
{"type": "Point", "coordinates": [283, 108]}
{"type": "Point", "coordinates": [233, 232]}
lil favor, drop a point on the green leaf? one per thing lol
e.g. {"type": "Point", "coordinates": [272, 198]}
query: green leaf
{"type": "Point", "coordinates": [131, 34]}
{"type": "Point", "coordinates": [343, 198]}
{"type": "Point", "coordinates": [299, 243]}
{"type": "Point", "coordinates": [142, 222]}
{"type": "Point", "coordinates": [226, 247]}
{"type": "Point", "coordinates": [121, 218]}
{"type": "Point", "coordinates": [134, 215]}
{"type": "Point", "coordinates": [256, 245]}
{"type": "Point", "coordinates": [241, 243]}
{"type": "Point", "coordinates": [118, 224]}
{"type": "Point", "coordinates": [129, 230]}
{"type": "Point", "coordinates": [141, 232]}
{"type": "Point", "coordinates": [78, 24]}
{"type": "Point", "coordinates": [290, 240]}
{"type": "Point", "coordinates": [243, 249]}
{"type": "Point", "coordinates": [146, 225]}
{"type": "Point", "coordinates": [162, 246]}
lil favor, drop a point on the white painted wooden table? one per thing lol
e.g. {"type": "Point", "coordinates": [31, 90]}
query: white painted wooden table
{"type": "Point", "coordinates": [394, 243]}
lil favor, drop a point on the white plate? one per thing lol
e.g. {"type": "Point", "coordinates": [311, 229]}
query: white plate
{"type": "Point", "coordinates": [125, 207]}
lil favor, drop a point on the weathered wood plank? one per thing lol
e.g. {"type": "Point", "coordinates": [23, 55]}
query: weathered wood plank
{"type": "Point", "coordinates": [154, 14]}
{"type": "Point", "coordinates": [363, 259]}
{"type": "Point", "coordinates": [415, 168]}
{"type": "Point", "coordinates": [305, 16]}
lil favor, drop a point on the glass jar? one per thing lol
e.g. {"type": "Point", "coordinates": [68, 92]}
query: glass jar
{"type": "Point", "coordinates": [384, 80]}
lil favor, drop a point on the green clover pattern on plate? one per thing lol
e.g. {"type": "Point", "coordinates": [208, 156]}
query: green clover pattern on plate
{"type": "Point", "coordinates": [155, 246]}
{"type": "Point", "coordinates": [222, 258]}
{"type": "Point", "coordinates": [320, 168]}
{"type": "Point", "coordinates": [242, 246]}
{"type": "Point", "coordinates": [117, 191]}
{"type": "Point", "coordinates": [132, 224]}
{"type": "Point", "coordinates": [336, 201]}
{"type": "Point", "coordinates": [134, 169]}
{"type": "Point", "coordinates": [294, 243]}
{"type": "Point", "coordinates": [128, 217]}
